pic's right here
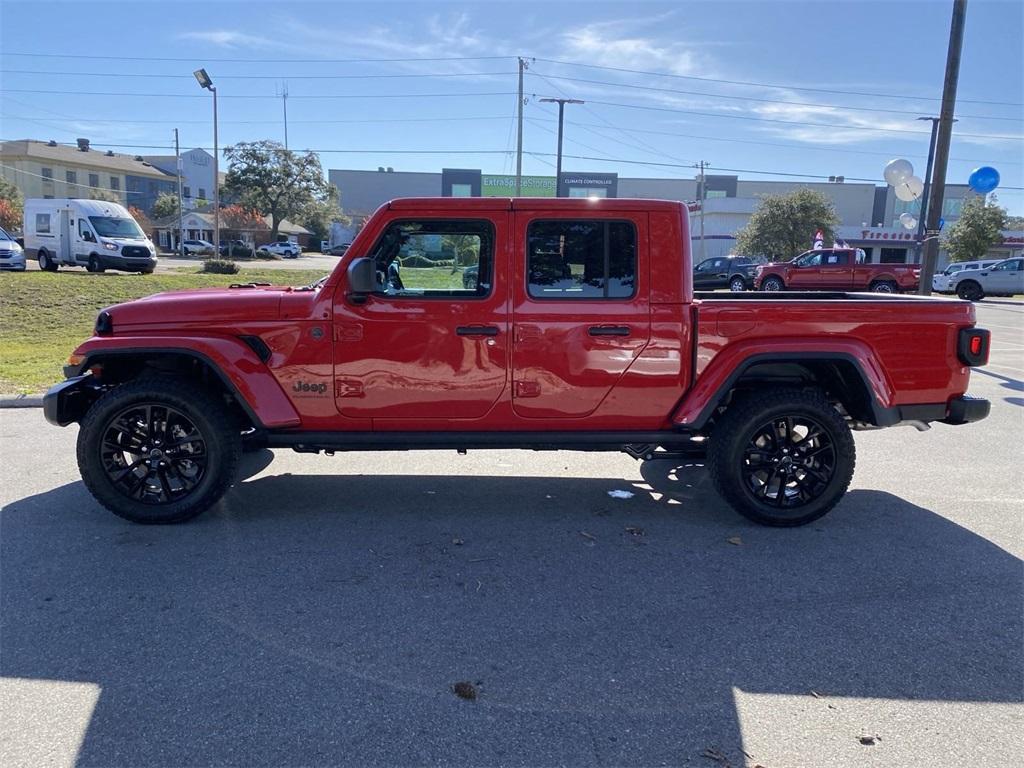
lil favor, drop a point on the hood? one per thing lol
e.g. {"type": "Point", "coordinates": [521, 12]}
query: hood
{"type": "Point", "coordinates": [201, 306]}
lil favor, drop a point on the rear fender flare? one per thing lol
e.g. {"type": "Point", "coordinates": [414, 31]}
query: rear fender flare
{"type": "Point", "coordinates": [714, 384]}
{"type": "Point", "coordinates": [237, 366]}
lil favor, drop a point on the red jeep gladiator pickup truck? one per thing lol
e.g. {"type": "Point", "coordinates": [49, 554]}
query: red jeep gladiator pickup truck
{"type": "Point", "coordinates": [836, 269]}
{"type": "Point", "coordinates": [577, 328]}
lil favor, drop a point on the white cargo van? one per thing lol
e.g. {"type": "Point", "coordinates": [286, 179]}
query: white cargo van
{"type": "Point", "coordinates": [93, 234]}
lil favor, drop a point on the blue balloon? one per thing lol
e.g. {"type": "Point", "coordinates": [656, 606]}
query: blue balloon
{"type": "Point", "coordinates": [984, 179]}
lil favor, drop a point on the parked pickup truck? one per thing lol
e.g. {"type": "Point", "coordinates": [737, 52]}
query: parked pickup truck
{"type": "Point", "coordinates": [582, 332]}
{"type": "Point", "coordinates": [836, 269]}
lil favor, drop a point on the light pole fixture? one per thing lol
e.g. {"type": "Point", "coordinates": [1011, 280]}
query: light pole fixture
{"type": "Point", "coordinates": [205, 82]}
{"type": "Point", "coordinates": [561, 115]}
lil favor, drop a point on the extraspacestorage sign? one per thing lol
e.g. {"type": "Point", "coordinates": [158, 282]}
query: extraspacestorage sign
{"type": "Point", "coordinates": [505, 186]}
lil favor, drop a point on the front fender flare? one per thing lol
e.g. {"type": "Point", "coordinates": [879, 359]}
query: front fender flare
{"type": "Point", "coordinates": [231, 359]}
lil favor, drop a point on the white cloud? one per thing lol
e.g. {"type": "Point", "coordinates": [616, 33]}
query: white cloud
{"type": "Point", "coordinates": [227, 38]}
{"type": "Point", "coordinates": [602, 44]}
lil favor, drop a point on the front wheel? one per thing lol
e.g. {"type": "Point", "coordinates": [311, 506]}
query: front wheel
{"type": "Point", "coordinates": [158, 450]}
{"type": "Point", "coordinates": [782, 457]}
{"type": "Point", "coordinates": [969, 290]}
{"type": "Point", "coordinates": [737, 284]}
{"type": "Point", "coordinates": [772, 283]}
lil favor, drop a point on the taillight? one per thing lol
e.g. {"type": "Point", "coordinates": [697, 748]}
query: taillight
{"type": "Point", "coordinates": [973, 345]}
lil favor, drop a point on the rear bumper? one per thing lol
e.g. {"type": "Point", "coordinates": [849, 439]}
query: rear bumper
{"type": "Point", "coordinates": [959, 410]}
{"type": "Point", "coordinates": [68, 401]}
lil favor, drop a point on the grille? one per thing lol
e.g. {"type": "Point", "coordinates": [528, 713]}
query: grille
{"type": "Point", "coordinates": [135, 252]}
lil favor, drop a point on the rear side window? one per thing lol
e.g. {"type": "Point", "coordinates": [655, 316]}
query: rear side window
{"type": "Point", "coordinates": [43, 223]}
{"type": "Point", "coordinates": [591, 259]}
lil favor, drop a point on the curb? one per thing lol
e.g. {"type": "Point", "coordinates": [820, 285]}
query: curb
{"type": "Point", "coordinates": [21, 401]}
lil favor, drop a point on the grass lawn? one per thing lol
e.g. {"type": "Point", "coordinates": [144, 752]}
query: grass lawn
{"type": "Point", "coordinates": [44, 315]}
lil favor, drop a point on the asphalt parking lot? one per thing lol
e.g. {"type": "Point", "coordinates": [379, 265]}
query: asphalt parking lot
{"type": "Point", "coordinates": [321, 614]}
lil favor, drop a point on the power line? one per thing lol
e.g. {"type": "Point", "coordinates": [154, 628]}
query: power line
{"type": "Point", "coordinates": [772, 85]}
{"type": "Point", "coordinates": [754, 98]}
{"type": "Point", "coordinates": [121, 75]}
{"type": "Point", "coordinates": [254, 96]}
{"type": "Point", "coordinates": [405, 60]}
{"type": "Point", "coordinates": [789, 122]}
{"type": "Point", "coordinates": [176, 121]}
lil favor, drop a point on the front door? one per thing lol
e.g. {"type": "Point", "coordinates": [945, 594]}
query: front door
{"type": "Point", "coordinates": [711, 273]}
{"type": "Point", "coordinates": [432, 341]}
{"type": "Point", "coordinates": [580, 309]}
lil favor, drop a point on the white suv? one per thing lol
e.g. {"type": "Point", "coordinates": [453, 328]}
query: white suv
{"type": "Point", "coordinates": [942, 282]}
{"type": "Point", "coordinates": [287, 250]}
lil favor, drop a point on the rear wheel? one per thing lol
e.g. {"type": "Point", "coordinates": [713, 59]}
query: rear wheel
{"type": "Point", "coordinates": [158, 450]}
{"type": "Point", "coordinates": [970, 290]}
{"type": "Point", "coordinates": [883, 286]}
{"type": "Point", "coordinates": [94, 264]}
{"type": "Point", "coordinates": [772, 283]}
{"type": "Point", "coordinates": [782, 457]}
{"type": "Point", "coordinates": [737, 284]}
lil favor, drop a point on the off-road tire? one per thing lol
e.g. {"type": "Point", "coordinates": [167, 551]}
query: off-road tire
{"type": "Point", "coordinates": [223, 447]}
{"type": "Point", "coordinates": [883, 286]}
{"type": "Point", "coordinates": [773, 283]}
{"type": "Point", "coordinates": [732, 436]}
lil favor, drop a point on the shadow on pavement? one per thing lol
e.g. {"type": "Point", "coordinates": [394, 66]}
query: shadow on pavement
{"type": "Point", "coordinates": [323, 619]}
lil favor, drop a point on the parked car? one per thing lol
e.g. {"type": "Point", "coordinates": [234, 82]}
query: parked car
{"type": "Point", "coordinates": [567, 342]}
{"type": "Point", "coordinates": [286, 249]}
{"type": "Point", "coordinates": [337, 250]}
{"type": "Point", "coordinates": [1005, 278]}
{"type": "Point", "coordinates": [197, 248]}
{"type": "Point", "coordinates": [736, 272]}
{"type": "Point", "coordinates": [94, 234]}
{"type": "Point", "coordinates": [12, 255]}
{"type": "Point", "coordinates": [942, 282]}
{"type": "Point", "coordinates": [470, 276]}
{"type": "Point", "coordinates": [837, 269]}
{"type": "Point", "coordinates": [231, 248]}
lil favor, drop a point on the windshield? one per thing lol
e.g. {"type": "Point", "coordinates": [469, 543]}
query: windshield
{"type": "Point", "coordinates": [108, 226]}
{"type": "Point", "coordinates": [4, 235]}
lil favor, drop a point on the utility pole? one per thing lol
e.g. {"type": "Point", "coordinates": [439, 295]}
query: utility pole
{"type": "Point", "coordinates": [561, 116]}
{"type": "Point", "coordinates": [284, 104]}
{"type": "Point", "coordinates": [927, 186]}
{"type": "Point", "coordinates": [945, 130]}
{"type": "Point", "coordinates": [181, 215]}
{"type": "Point", "coordinates": [519, 141]}
{"type": "Point", "coordinates": [703, 196]}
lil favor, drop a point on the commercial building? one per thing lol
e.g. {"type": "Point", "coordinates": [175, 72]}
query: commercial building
{"type": "Point", "coordinates": [46, 169]}
{"type": "Point", "coordinates": [196, 175]}
{"type": "Point", "coordinates": [199, 225]}
{"type": "Point", "coordinates": [869, 214]}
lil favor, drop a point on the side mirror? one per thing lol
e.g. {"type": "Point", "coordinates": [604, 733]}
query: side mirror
{"type": "Point", "coordinates": [362, 279]}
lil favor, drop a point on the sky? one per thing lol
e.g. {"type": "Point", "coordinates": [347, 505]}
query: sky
{"type": "Point", "coordinates": [762, 88]}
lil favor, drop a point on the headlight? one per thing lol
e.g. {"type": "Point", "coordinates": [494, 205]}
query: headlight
{"type": "Point", "coordinates": [110, 246]}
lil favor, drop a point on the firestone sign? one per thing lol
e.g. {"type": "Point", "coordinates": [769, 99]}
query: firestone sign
{"type": "Point", "coordinates": [875, 234]}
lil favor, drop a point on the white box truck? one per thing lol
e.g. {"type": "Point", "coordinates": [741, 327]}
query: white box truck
{"type": "Point", "coordinates": [93, 234]}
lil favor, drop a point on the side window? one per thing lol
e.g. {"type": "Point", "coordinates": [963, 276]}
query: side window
{"type": "Point", "coordinates": [1008, 266]}
{"type": "Point", "coordinates": [833, 258]}
{"type": "Point", "coordinates": [83, 230]}
{"type": "Point", "coordinates": [812, 259]}
{"type": "Point", "coordinates": [706, 266]}
{"type": "Point", "coordinates": [43, 223]}
{"type": "Point", "coordinates": [435, 258]}
{"type": "Point", "coordinates": [590, 259]}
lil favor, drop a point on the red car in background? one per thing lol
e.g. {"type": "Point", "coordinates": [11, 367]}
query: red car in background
{"type": "Point", "coordinates": [837, 269]}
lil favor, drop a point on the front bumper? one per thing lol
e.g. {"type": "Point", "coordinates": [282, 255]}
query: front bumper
{"type": "Point", "coordinates": [133, 264]}
{"type": "Point", "coordinates": [68, 401]}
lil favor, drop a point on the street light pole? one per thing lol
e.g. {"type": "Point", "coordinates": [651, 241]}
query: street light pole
{"type": "Point", "coordinates": [181, 215]}
{"type": "Point", "coordinates": [561, 118]}
{"type": "Point", "coordinates": [205, 82]}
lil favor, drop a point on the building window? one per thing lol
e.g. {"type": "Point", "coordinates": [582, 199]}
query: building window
{"type": "Point", "coordinates": [71, 177]}
{"type": "Point", "coordinates": [588, 192]}
{"type": "Point", "coordinates": [94, 179]}
{"type": "Point", "coordinates": [435, 259]}
{"type": "Point", "coordinates": [892, 256]}
{"type": "Point", "coordinates": [951, 207]}
{"type": "Point", "coordinates": [462, 190]}
{"type": "Point", "coordinates": [47, 174]}
{"type": "Point", "coordinates": [187, 192]}
{"type": "Point", "coordinates": [581, 259]}
{"type": "Point", "coordinates": [202, 193]}
{"type": "Point", "coordinates": [115, 183]}
{"type": "Point", "coordinates": [715, 193]}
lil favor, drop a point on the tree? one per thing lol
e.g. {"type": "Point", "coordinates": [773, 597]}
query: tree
{"type": "Point", "coordinates": [141, 218]}
{"type": "Point", "coordinates": [12, 205]}
{"type": "Point", "coordinates": [318, 216]}
{"type": "Point", "coordinates": [783, 226]}
{"type": "Point", "coordinates": [240, 218]}
{"type": "Point", "coordinates": [274, 180]}
{"type": "Point", "coordinates": [166, 206]}
{"type": "Point", "coordinates": [978, 229]}
{"type": "Point", "coordinates": [1015, 223]}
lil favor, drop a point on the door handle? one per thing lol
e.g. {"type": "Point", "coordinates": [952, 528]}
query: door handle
{"type": "Point", "coordinates": [476, 330]}
{"type": "Point", "coordinates": [608, 330]}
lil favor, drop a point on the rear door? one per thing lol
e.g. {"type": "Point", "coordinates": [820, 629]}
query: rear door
{"type": "Point", "coordinates": [836, 270]}
{"type": "Point", "coordinates": [430, 343]}
{"type": "Point", "coordinates": [580, 312]}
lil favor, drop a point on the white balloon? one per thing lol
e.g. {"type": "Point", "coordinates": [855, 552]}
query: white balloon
{"type": "Point", "coordinates": [909, 189]}
{"type": "Point", "coordinates": [897, 170]}
{"type": "Point", "coordinates": [908, 220]}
